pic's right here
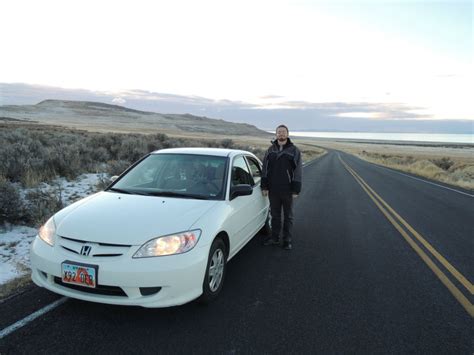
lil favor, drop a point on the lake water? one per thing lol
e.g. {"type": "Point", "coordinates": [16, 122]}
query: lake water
{"type": "Point", "coordinates": [413, 137]}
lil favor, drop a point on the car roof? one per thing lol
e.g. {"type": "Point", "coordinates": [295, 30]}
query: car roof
{"type": "Point", "coordinates": [203, 151]}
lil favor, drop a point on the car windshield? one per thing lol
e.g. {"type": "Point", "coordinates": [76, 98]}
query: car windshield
{"type": "Point", "coordinates": [176, 175]}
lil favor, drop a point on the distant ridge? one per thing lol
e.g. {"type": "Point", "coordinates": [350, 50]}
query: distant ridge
{"type": "Point", "coordinates": [88, 104]}
{"type": "Point", "coordinates": [93, 115]}
{"type": "Point", "coordinates": [321, 116]}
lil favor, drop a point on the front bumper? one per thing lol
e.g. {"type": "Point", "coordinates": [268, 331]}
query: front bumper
{"type": "Point", "coordinates": [179, 278]}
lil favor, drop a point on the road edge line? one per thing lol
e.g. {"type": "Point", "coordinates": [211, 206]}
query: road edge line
{"type": "Point", "coordinates": [458, 295]}
{"type": "Point", "coordinates": [22, 322]}
{"type": "Point", "coordinates": [460, 277]}
{"type": "Point", "coordinates": [393, 170]}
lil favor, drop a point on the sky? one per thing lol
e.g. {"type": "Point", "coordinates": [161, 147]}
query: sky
{"type": "Point", "coordinates": [416, 53]}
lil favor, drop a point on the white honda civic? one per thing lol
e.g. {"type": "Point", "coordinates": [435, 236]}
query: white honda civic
{"type": "Point", "coordinates": [160, 235]}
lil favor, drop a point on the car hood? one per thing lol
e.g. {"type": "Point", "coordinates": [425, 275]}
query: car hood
{"type": "Point", "coordinates": [129, 219]}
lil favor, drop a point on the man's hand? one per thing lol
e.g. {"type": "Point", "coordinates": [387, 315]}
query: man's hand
{"type": "Point", "coordinates": [295, 195]}
{"type": "Point", "coordinates": [265, 192]}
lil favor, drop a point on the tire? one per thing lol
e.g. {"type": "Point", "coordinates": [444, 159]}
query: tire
{"type": "Point", "coordinates": [215, 271]}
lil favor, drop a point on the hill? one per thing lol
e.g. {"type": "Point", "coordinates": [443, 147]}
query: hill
{"type": "Point", "coordinates": [98, 116]}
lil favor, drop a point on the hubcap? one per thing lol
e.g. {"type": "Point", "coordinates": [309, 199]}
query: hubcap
{"type": "Point", "coordinates": [216, 270]}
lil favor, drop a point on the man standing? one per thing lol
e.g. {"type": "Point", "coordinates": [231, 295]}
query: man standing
{"type": "Point", "coordinates": [281, 181]}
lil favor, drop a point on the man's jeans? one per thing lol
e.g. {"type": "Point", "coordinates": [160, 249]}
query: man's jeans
{"type": "Point", "coordinates": [279, 200]}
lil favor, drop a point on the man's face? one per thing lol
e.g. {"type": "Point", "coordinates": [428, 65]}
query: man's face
{"type": "Point", "coordinates": [281, 134]}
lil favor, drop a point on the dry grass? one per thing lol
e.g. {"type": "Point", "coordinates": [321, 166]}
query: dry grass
{"type": "Point", "coordinates": [455, 173]}
{"type": "Point", "coordinates": [14, 286]}
{"type": "Point", "coordinates": [310, 151]}
{"type": "Point", "coordinates": [451, 164]}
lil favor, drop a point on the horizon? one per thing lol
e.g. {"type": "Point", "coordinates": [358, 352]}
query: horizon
{"type": "Point", "coordinates": [405, 60]}
{"type": "Point", "coordinates": [314, 118]}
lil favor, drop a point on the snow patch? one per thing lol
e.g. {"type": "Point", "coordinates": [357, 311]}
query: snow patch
{"type": "Point", "coordinates": [15, 241]}
{"type": "Point", "coordinates": [14, 251]}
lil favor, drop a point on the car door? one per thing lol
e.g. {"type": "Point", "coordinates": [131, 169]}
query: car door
{"type": "Point", "coordinates": [244, 209]}
{"type": "Point", "coordinates": [261, 202]}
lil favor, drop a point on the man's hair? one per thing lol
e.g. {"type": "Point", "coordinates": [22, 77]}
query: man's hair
{"type": "Point", "coordinates": [283, 126]}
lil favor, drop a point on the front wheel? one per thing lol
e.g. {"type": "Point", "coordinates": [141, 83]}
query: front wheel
{"type": "Point", "coordinates": [215, 271]}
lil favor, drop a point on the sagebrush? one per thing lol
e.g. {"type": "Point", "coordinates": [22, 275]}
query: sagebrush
{"type": "Point", "coordinates": [32, 154]}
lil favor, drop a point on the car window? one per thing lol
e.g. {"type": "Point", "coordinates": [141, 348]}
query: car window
{"type": "Point", "coordinates": [145, 174]}
{"type": "Point", "coordinates": [255, 169]}
{"type": "Point", "coordinates": [240, 172]}
{"type": "Point", "coordinates": [177, 174]}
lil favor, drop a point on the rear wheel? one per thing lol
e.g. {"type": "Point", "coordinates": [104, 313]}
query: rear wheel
{"type": "Point", "coordinates": [215, 271]}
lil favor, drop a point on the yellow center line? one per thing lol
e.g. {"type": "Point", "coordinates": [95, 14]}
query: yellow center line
{"type": "Point", "coordinates": [436, 270]}
{"type": "Point", "coordinates": [465, 282]}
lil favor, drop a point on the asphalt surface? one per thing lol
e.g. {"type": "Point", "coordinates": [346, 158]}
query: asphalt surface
{"type": "Point", "coordinates": [352, 283]}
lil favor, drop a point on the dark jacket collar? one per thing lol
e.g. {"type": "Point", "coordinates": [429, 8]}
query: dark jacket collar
{"type": "Point", "coordinates": [287, 144]}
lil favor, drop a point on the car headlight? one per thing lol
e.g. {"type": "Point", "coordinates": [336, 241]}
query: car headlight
{"type": "Point", "coordinates": [170, 244]}
{"type": "Point", "coordinates": [47, 231]}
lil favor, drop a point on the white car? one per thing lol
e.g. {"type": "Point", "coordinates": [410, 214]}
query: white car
{"type": "Point", "coordinates": [160, 235]}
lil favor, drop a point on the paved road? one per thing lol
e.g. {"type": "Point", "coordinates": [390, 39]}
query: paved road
{"type": "Point", "coordinates": [359, 280]}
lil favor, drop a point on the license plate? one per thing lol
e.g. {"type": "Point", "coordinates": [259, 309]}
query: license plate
{"type": "Point", "coordinates": [79, 274]}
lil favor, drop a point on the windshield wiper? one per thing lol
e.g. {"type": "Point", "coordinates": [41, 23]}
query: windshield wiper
{"type": "Point", "coordinates": [177, 194]}
{"type": "Point", "coordinates": [129, 192]}
{"type": "Point", "coordinates": [118, 190]}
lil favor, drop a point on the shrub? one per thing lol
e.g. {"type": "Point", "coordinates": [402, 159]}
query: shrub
{"type": "Point", "coordinates": [42, 204]}
{"type": "Point", "coordinates": [226, 143]}
{"type": "Point", "coordinates": [13, 160]}
{"type": "Point", "coordinates": [37, 153]}
{"type": "Point", "coordinates": [12, 209]}
{"type": "Point", "coordinates": [131, 149]}
{"type": "Point", "coordinates": [103, 182]}
{"type": "Point", "coordinates": [117, 167]}
{"type": "Point", "coordinates": [444, 163]}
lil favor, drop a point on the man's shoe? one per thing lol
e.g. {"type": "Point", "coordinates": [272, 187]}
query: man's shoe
{"type": "Point", "coordinates": [287, 246]}
{"type": "Point", "coordinates": [271, 241]}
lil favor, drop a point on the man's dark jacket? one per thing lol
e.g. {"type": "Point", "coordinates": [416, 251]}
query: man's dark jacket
{"type": "Point", "coordinates": [282, 169]}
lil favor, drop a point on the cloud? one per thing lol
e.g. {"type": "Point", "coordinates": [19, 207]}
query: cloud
{"type": "Point", "coordinates": [170, 103]}
{"type": "Point", "coordinates": [119, 101]}
{"type": "Point", "coordinates": [269, 97]}
{"type": "Point", "coordinates": [380, 111]}
{"type": "Point", "coordinates": [363, 114]}
{"type": "Point", "coordinates": [298, 115]}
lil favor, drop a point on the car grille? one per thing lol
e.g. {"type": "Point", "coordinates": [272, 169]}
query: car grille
{"type": "Point", "coordinates": [93, 249]}
{"type": "Point", "coordinates": [98, 290]}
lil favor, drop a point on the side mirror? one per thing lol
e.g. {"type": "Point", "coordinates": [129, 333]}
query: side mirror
{"type": "Point", "coordinates": [240, 190]}
{"type": "Point", "coordinates": [113, 178]}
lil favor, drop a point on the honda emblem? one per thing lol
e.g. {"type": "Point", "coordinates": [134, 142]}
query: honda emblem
{"type": "Point", "coordinates": [85, 250]}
